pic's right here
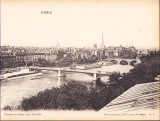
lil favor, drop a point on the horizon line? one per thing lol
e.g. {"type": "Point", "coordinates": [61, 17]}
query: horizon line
{"type": "Point", "coordinates": [78, 47]}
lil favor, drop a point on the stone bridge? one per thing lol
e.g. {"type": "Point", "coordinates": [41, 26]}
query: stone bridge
{"type": "Point", "coordinates": [129, 61]}
{"type": "Point", "coordinates": [61, 71]}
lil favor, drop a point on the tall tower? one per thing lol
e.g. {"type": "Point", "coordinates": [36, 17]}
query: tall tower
{"type": "Point", "coordinates": [102, 45]}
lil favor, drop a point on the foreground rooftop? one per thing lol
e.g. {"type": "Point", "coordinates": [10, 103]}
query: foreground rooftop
{"type": "Point", "coordinates": [140, 97]}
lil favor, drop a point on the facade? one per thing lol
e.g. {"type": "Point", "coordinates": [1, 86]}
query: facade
{"type": "Point", "coordinates": [83, 55]}
{"type": "Point", "coordinates": [8, 58]}
{"type": "Point", "coordinates": [20, 58]}
{"type": "Point", "coordinates": [101, 54]}
{"type": "Point", "coordinates": [29, 58]}
{"type": "Point", "coordinates": [50, 57]}
{"type": "Point", "coordinates": [110, 52]}
{"type": "Point", "coordinates": [118, 51]}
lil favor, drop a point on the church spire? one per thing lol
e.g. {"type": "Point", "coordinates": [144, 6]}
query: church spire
{"type": "Point", "coordinates": [102, 45]}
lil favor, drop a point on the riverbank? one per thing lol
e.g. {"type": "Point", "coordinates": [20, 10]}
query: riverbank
{"type": "Point", "coordinates": [24, 76]}
{"type": "Point", "coordinates": [23, 72]}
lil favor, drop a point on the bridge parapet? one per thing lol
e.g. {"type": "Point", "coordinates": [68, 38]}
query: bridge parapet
{"type": "Point", "coordinates": [61, 70]}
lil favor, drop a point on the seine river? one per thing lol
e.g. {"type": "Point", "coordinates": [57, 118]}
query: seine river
{"type": "Point", "coordinates": [14, 90]}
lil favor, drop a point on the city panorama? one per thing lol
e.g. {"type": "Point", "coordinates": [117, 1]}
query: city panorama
{"type": "Point", "coordinates": [76, 78]}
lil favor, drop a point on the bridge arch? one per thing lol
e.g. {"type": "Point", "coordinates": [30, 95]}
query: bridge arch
{"type": "Point", "coordinates": [124, 62]}
{"type": "Point", "coordinates": [113, 61]}
{"type": "Point", "coordinates": [133, 62]}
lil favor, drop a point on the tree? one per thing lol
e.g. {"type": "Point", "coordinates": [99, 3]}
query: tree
{"type": "Point", "coordinates": [114, 78]}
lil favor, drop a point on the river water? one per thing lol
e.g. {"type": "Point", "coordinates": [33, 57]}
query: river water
{"type": "Point", "coordinates": [14, 90]}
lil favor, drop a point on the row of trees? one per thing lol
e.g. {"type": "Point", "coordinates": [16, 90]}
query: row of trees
{"type": "Point", "coordinates": [128, 54]}
{"type": "Point", "coordinates": [6, 64]}
{"type": "Point", "coordinates": [72, 96]}
{"type": "Point", "coordinates": [43, 63]}
{"type": "Point", "coordinates": [65, 61]}
{"type": "Point", "coordinates": [91, 59]}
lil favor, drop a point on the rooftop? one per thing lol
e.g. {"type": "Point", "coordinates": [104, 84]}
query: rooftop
{"type": "Point", "coordinates": [140, 97]}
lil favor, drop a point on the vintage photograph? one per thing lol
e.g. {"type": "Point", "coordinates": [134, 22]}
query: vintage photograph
{"type": "Point", "coordinates": [79, 59]}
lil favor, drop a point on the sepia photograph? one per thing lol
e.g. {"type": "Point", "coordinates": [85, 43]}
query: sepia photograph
{"type": "Point", "coordinates": [79, 60]}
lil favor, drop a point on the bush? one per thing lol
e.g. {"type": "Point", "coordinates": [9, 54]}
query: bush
{"type": "Point", "coordinates": [71, 96]}
{"type": "Point", "coordinates": [8, 107]}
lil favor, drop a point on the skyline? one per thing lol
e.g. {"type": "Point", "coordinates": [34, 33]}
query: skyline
{"type": "Point", "coordinates": [80, 23]}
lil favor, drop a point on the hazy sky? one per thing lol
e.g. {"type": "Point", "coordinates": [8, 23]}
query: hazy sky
{"type": "Point", "coordinates": [80, 23]}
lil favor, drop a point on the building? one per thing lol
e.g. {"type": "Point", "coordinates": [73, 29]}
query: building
{"type": "Point", "coordinates": [19, 57]}
{"type": "Point", "coordinates": [28, 57]}
{"type": "Point", "coordinates": [110, 52]}
{"type": "Point", "coordinates": [50, 57]}
{"type": "Point", "coordinates": [83, 54]}
{"type": "Point", "coordinates": [118, 51]}
{"type": "Point", "coordinates": [8, 58]}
